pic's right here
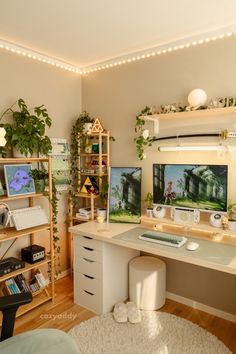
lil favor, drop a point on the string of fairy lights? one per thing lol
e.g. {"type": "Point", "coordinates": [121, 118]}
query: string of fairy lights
{"type": "Point", "coordinates": [34, 55]}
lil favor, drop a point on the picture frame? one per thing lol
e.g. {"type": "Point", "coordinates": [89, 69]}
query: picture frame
{"type": "Point", "coordinates": [18, 179]}
{"type": "Point", "coordinates": [125, 195]}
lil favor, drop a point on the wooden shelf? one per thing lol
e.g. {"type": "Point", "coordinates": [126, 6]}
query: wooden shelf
{"type": "Point", "coordinates": [8, 234]}
{"type": "Point", "coordinates": [86, 154]}
{"type": "Point", "coordinates": [5, 198]}
{"type": "Point", "coordinates": [14, 160]}
{"type": "Point", "coordinates": [25, 269]}
{"type": "Point", "coordinates": [86, 195]}
{"type": "Point", "coordinates": [202, 113]}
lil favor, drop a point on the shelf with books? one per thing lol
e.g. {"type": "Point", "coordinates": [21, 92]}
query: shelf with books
{"type": "Point", "coordinates": [11, 234]}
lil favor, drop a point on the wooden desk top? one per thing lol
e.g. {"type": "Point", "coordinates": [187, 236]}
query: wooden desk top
{"type": "Point", "coordinates": [213, 255]}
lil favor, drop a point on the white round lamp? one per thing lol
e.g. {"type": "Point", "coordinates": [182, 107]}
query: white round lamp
{"type": "Point", "coordinates": [197, 97]}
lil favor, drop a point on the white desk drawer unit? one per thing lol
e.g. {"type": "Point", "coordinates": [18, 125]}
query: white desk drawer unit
{"type": "Point", "coordinates": [100, 273]}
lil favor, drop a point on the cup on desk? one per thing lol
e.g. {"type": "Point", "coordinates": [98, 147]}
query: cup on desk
{"type": "Point", "coordinates": [149, 212]}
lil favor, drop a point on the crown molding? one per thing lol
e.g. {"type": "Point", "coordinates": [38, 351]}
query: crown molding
{"type": "Point", "coordinates": [163, 48]}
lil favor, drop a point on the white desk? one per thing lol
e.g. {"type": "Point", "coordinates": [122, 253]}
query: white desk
{"type": "Point", "coordinates": [119, 240]}
{"type": "Point", "coordinates": [211, 255]}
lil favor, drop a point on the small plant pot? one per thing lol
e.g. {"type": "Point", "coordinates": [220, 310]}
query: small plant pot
{"type": "Point", "coordinates": [102, 213]}
{"type": "Point", "coordinates": [88, 127]}
{"type": "Point", "coordinates": [149, 212]}
{"type": "Point", "coordinates": [40, 185]}
{"type": "Point", "coordinates": [232, 225]}
{"type": "Point", "coordinates": [17, 153]}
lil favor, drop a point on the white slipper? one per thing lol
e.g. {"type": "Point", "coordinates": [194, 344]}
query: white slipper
{"type": "Point", "coordinates": [120, 312]}
{"type": "Point", "coordinates": [134, 314]}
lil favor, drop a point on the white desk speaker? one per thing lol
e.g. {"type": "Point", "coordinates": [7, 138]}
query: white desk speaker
{"type": "Point", "coordinates": [216, 219]}
{"type": "Point", "coordinates": [159, 212]}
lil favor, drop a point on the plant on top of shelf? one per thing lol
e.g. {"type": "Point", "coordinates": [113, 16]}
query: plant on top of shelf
{"type": "Point", "coordinates": [78, 130]}
{"type": "Point", "coordinates": [27, 132]}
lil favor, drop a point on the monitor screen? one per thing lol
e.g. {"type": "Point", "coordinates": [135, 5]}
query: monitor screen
{"type": "Point", "coordinates": [191, 186]}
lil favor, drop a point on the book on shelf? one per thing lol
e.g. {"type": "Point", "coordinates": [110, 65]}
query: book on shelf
{"type": "Point", "coordinates": [12, 287]}
{"type": "Point", "coordinates": [21, 283]}
{"type": "Point", "coordinates": [82, 217]}
{"type": "Point", "coordinates": [40, 280]}
{"type": "Point", "coordinates": [84, 211]}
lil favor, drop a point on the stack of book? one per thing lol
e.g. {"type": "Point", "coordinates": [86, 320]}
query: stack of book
{"type": "Point", "coordinates": [83, 214]}
{"type": "Point", "coordinates": [19, 285]}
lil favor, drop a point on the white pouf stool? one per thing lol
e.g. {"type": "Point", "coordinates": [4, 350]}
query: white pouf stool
{"type": "Point", "coordinates": [147, 282]}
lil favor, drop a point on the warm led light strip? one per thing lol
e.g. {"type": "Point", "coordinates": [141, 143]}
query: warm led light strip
{"type": "Point", "coordinates": [163, 49]}
{"type": "Point", "coordinates": [225, 148]}
{"type": "Point", "coordinates": [37, 56]}
{"type": "Point", "coordinates": [144, 54]}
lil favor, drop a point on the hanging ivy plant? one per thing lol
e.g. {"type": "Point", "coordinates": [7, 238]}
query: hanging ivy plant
{"type": "Point", "coordinates": [141, 140]}
{"type": "Point", "coordinates": [42, 174]}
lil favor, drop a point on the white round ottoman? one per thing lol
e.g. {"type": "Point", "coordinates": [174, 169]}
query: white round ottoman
{"type": "Point", "coordinates": [147, 282]}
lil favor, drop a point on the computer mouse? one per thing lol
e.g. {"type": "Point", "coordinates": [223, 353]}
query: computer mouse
{"type": "Point", "coordinates": [192, 246]}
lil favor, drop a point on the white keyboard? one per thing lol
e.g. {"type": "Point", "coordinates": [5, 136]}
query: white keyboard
{"type": "Point", "coordinates": [29, 217]}
{"type": "Point", "coordinates": [163, 238]}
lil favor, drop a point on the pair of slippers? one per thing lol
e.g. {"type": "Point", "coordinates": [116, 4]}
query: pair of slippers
{"type": "Point", "coordinates": [126, 312]}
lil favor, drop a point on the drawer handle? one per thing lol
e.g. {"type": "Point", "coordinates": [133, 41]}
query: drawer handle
{"type": "Point", "coordinates": [88, 249]}
{"type": "Point", "coordinates": [88, 238]}
{"type": "Point", "coordinates": [88, 260]}
{"type": "Point", "coordinates": [88, 292]}
{"type": "Point", "coordinates": [88, 276]}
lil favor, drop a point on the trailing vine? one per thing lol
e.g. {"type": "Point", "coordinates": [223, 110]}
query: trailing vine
{"type": "Point", "coordinates": [140, 140]}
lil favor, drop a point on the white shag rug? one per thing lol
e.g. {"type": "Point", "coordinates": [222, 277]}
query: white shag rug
{"type": "Point", "coordinates": [157, 333]}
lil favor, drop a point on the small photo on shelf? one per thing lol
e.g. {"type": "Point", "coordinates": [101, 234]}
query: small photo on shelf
{"type": "Point", "coordinates": [19, 180]}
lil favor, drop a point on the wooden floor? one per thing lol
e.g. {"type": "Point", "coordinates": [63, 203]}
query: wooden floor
{"type": "Point", "coordinates": [64, 314]}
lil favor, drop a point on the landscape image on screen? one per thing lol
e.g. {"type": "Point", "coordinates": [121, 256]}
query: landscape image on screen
{"type": "Point", "coordinates": [125, 194]}
{"type": "Point", "coordinates": [191, 186]}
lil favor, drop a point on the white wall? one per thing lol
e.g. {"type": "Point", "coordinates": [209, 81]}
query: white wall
{"type": "Point", "coordinates": [117, 95]}
{"type": "Point", "coordinates": [60, 92]}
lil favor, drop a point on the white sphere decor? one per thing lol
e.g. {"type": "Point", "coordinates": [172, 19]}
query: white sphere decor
{"type": "Point", "coordinates": [197, 97]}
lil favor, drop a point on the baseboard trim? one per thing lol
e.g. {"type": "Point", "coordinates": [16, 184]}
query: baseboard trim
{"type": "Point", "coordinates": [199, 306]}
{"type": "Point", "coordinates": [63, 274]}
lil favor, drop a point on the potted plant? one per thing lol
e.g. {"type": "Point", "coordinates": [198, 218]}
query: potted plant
{"type": "Point", "coordinates": [232, 216]}
{"type": "Point", "coordinates": [27, 132]}
{"type": "Point", "coordinates": [149, 201]}
{"type": "Point", "coordinates": [40, 179]}
{"type": "Point", "coordinates": [103, 194]}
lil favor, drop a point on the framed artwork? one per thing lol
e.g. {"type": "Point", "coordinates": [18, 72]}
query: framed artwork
{"type": "Point", "coordinates": [1, 189]}
{"type": "Point", "coordinates": [125, 194]}
{"type": "Point", "coordinates": [18, 179]}
{"type": "Point", "coordinates": [60, 163]}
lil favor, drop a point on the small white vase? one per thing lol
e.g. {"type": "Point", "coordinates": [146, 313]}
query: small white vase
{"type": "Point", "coordinates": [102, 213]}
{"type": "Point", "coordinates": [149, 212]}
{"type": "Point", "coordinates": [17, 153]}
{"type": "Point", "coordinates": [232, 225]}
{"type": "Point", "coordinates": [88, 127]}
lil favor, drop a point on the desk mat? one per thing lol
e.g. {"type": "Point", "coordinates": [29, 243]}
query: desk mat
{"type": "Point", "coordinates": [213, 252]}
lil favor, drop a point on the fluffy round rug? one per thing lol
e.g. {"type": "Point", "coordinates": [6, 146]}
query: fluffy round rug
{"type": "Point", "coordinates": [158, 333]}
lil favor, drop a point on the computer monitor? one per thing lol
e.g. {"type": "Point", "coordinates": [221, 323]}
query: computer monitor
{"type": "Point", "coordinates": [202, 187]}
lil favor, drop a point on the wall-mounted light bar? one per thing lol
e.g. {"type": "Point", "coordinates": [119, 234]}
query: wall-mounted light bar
{"type": "Point", "coordinates": [224, 148]}
{"type": "Point", "coordinates": [31, 54]}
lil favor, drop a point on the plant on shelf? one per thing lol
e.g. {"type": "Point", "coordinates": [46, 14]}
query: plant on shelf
{"type": "Point", "coordinates": [148, 200]}
{"type": "Point", "coordinates": [77, 132]}
{"type": "Point", "coordinates": [231, 215]}
{"type": "Point", "coordinates": [27, 132]}
{"type": "Point", "coordinates": [40, 179]}
{"type": "Point", "coordinates": [143, 139]}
